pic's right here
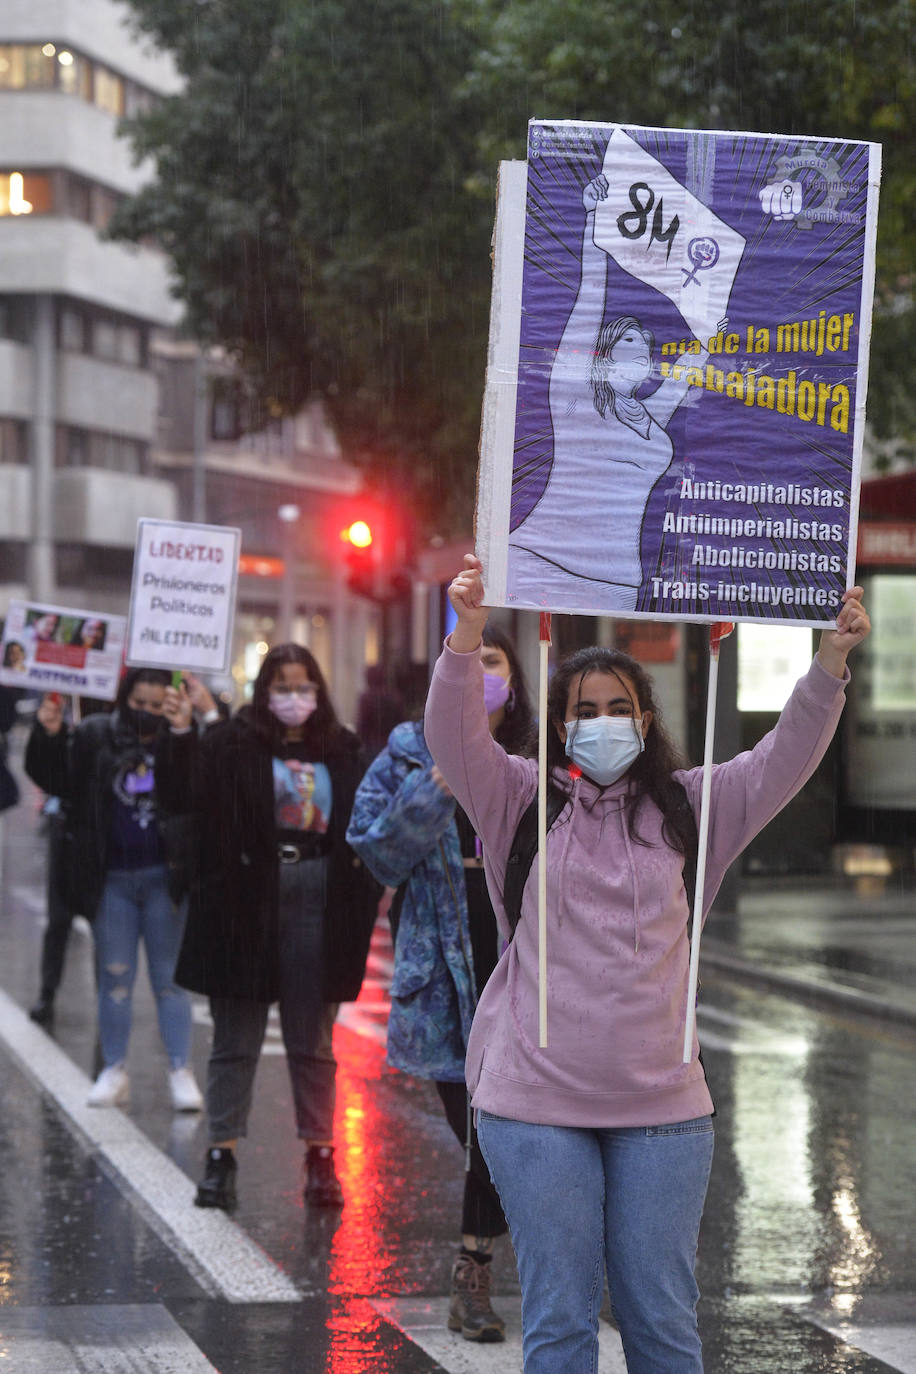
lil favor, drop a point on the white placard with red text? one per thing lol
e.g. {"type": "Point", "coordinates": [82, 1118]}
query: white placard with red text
{"type": "Point", "coordinates": [182, 599]}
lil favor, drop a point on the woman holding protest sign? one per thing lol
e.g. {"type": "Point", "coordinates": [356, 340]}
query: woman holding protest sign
{"type": "Point", "coordinates": [125, 870]}
{"type": "Point", "coordinates": [408, 829]}
{"type": "Point", "coordinates": [600, 1143]}
{"type": "Point", "coordinates": [282, 909]}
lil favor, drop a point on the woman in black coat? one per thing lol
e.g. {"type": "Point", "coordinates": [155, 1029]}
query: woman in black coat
{"type": "Point", "coordinates": [281, 909]}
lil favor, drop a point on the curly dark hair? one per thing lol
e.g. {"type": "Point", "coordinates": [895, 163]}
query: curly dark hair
{"type": "Point", "coordinates": [322, 732]}
{"type": "Point", "coordinates": [518, 721]}
{"type": "Point", "coordinates": [650, 775]}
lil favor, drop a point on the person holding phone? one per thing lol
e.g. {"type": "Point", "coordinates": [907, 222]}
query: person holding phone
{"type": "Point", "coordinates": [123, 875]}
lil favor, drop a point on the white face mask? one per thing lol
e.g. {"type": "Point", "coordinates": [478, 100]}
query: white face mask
{"type": "Point", "coordinates": [605, 747]}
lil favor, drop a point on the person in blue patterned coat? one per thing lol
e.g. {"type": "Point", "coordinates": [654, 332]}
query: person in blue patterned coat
{"type": "Point", "coordinates": [410, 832]}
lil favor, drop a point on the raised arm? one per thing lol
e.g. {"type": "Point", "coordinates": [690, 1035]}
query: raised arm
{"type": "Point", "coordinates": [577, 344]}
{"type": "Point", "coordinates": [748, 791]}
{"type": "Point", "coordinates": [492, 787]}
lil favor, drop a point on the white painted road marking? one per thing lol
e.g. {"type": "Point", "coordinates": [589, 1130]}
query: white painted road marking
{"type": "Point", "coordinates": [892, 1342]}
{"type": "Point", "coordinates": [225, 1262]}
{"type": "Point", "coordinates": [424, 1321]}
{"type": "Point", "coordinates": [104, 1339]}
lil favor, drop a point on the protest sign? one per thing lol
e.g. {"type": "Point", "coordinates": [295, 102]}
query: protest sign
{"type": "Point", "coordinates": [182, 598]}
{"type": "Point", "coordinates": [60, 649]}
{"type": "Point", "coordinates": [675, 399]}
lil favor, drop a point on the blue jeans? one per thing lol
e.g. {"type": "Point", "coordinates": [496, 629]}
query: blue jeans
{"type": "Point", "coordinates": [626, 1198]}
{"type": "Point", "coordinates": [136, 902]}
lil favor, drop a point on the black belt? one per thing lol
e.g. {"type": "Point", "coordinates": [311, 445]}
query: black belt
{"type": "Point", "coordinates": [307, 847]}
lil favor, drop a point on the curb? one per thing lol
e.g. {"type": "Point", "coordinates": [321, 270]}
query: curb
{"type": "Point", "coordinates": [809, 989]}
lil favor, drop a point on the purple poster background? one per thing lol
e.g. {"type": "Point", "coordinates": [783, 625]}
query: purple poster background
{"type": "Point", "coordinates": [746, 506]}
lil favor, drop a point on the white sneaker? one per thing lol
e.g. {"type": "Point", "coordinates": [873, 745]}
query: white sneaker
{"type": "Point", "coordinates": [110, 1089]}
{"type": "Point", "coordinates": [186, 1096]}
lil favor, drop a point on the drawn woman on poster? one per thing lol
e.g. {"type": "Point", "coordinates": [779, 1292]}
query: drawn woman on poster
{"type": "Point", "coordinates": [610, 447]}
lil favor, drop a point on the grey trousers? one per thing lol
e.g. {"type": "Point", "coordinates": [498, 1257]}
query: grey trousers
{"type": "Point", "coordinates": [306, 1021]}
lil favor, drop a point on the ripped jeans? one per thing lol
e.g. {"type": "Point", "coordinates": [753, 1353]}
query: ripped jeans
{"type": "Point", "coordinates": [136, 903]}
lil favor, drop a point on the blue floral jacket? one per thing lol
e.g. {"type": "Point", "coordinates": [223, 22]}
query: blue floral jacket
{"type": "Point", "coordinates": [403, 828]}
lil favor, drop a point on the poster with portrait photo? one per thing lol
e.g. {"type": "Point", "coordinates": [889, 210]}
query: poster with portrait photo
{"type": "Point", "coordinates": [675, 398]}
{"type": "Point", "coordinates": [62, 649]}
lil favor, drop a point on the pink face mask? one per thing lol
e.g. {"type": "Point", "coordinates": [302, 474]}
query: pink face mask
{"type": "Point", "coordinates": [292, 708]}
{"type": "Point", "coordinates": [495, 691]}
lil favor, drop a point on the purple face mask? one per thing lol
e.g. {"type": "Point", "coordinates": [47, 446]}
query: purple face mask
{"type": "Point", "coordinates": [291, 708]}
{"type": "Point", "coordinates": [495, 691]}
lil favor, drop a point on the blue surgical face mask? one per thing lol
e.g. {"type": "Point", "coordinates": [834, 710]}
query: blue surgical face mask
{"type": "Point", "coordinates": [604, 747]}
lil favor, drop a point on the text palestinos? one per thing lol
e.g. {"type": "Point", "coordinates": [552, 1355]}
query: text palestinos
{"type": "Point", "coordinates": [185, 639]}
{"type": "Point", "coordinates": [789, 396]}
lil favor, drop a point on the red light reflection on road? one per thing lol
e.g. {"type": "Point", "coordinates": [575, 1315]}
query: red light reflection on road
{"type": "Point", "coordinates": [359, 1253]}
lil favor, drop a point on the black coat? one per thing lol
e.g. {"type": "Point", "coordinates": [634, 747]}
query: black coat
{"type": "Point", "coordinates": [80, 768]}
{"type": "Point", "coordinates": [231, 942]}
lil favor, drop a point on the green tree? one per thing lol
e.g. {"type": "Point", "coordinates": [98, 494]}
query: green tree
{"type": "Point", "coordinates": [325, 182]}
{"type": "Point", "coordinates": [839, 68]}
{"type": "Point", "coordinates": [310, 192]}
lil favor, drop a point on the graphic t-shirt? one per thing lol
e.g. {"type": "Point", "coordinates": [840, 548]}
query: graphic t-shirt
{"type": "Point", "coordinates": [302, 794]}
{"type": "Point", "coordinates": [134, 840]}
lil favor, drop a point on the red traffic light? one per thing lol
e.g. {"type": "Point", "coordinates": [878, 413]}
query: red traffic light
{"type": "Point", "coordinates": [359, 534]}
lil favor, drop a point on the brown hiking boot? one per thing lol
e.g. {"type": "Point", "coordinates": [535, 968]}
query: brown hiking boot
{"type": "Point", "coordinates": [469, 1310]}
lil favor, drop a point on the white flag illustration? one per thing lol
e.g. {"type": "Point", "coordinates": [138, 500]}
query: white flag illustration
{"type": "Point", "coordinates": [660, 233]}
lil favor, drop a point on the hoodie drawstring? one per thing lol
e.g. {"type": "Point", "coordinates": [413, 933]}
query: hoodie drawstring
{"type": "Point", "coordinates": [574, 797]}
{"type": "Point", "coordinates": [634, 874]}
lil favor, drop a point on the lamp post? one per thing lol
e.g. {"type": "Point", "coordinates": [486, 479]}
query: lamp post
{"type": "Point", "coordinates": [287, 515]}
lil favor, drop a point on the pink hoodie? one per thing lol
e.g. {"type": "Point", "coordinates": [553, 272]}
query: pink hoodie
{"type": "Point", "coordinates": [617, 948]}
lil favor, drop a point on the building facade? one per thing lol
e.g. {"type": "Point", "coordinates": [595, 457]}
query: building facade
{"type": "Point", "coordinates": [78, 398]}
{"type": "Point", "coordinates": [107, 416]}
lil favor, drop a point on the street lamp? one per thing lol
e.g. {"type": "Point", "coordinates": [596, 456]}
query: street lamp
{"type": "Point", "coordinates": [288, 515]}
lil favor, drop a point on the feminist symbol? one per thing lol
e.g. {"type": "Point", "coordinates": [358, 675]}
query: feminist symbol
{"type": "Point", "coordinates": [703, 253]}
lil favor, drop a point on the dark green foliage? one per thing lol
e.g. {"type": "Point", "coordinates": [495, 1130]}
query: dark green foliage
{"type": "Point", "coordinates": [325, 183]}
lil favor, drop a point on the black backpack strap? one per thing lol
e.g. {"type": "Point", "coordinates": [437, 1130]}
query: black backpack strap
{"type": "Point", "coordinates": [524, 848]}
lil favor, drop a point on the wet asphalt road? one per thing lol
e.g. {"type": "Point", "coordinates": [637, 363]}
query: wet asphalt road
{"type": "Point", "coordinates": [809, 1228]}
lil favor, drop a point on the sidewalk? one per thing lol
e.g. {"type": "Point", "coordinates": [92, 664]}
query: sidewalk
{"type": "Point", "coordinates": [849, 942]}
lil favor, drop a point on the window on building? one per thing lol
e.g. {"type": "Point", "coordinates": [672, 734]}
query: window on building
{"type": "Point", "coordinates": [72, 447]}
{"type": "Point", "coordinates": [15, 318]}
{"type": "Point", "coordinates": [130, 345]}
{"type": "Point", "coordinates": [225, 408]}
{"type": "Point", "coordinates": [73, 331]}
{"type": "Point", "coordinates": [74, 74]}
{"type": "Point", "coordinates": [105, 340]}
{"type": "Point", "coordinates": [104, 204]}
{"type": "Point", "coordinates": [108, 90]}
{"type": "Point", "coordinates": [27, 65]}
{"type": "Point", "coordinates": [77, 198]}
{"type": "Point", "coordinates": [14, 443]}
{"type": "Point", "coordinates": [25, 193]}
